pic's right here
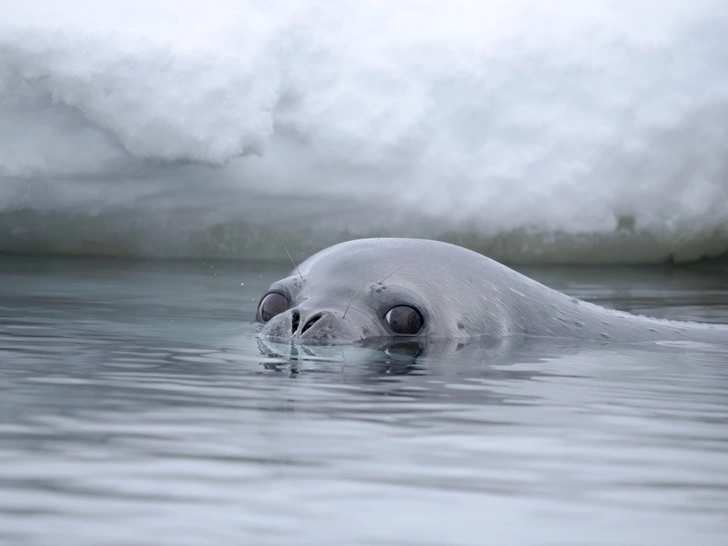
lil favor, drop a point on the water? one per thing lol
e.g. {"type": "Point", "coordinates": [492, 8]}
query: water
{"type": "Point", "coordinates": [137, 407]}
{"type": "Point", "coordinates": [542, 132]}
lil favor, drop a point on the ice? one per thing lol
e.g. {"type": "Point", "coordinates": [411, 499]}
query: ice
{"type": "Point", "coordinates": [573, 131]}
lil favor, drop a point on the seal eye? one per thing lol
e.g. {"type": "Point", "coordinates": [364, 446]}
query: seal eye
{"type": "Point", "coordinates": [404, 320]}
{"type": "Point", "coordinates": [271, 305]}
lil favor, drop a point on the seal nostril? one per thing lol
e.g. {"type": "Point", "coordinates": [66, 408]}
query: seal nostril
{"type": "Point", "coordinates": [310, 323]}
{"type": "Point", "coordinates": [295, 320]}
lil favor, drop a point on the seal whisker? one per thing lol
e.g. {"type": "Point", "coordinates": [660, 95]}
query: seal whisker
{"type": "Point", "coordinates": [292, 261]}
{"type": "Point", "coordinates": [392, 273]}
{"type": "Point", "coordinates": [363, 285]}
{"type": "Point", "coordinates": [352, 299]}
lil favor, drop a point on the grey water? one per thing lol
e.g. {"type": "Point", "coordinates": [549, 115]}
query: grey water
{"type": "Point", "coordinates": [137, 407]}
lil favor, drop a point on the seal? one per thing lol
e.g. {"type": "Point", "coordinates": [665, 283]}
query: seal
{"type": "Point", "coordinates": [415, 288]}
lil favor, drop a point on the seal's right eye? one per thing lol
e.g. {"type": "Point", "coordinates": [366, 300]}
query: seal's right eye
{"type": "Point", "coordinates": [404, 320]}
{"type": "Point", "coordinates": [271, 305]}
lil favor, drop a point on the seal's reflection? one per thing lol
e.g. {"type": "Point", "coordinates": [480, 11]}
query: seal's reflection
{"type": "Point", "coordinates": [394, 356]}
{"type": "Point", "coordinates": [400, 357]}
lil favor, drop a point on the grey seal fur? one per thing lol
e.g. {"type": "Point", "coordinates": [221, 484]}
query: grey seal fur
{"type": "Point", "coordinates": [342, 294]}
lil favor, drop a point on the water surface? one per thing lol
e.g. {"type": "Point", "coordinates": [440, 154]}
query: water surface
{"type": "Point", "coordinates": [137, 407]}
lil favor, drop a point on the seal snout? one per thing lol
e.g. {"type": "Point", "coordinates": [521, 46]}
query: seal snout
{"type": "Point", "coordinates": [308, 325]}
{"type": "Point", "coordinates": [299, 326]}
{"type": "Point", "coordinates": [319, 325]}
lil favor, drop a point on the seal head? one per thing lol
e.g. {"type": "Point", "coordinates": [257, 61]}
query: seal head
{"type": "Point", "coordinates": [385, 288]}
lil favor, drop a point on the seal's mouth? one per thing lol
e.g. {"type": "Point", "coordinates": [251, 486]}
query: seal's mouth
{"type": "Point", "coordinates": [324, 337]}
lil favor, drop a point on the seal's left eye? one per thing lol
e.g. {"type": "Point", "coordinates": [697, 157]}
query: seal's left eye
{"type": "Point", "coordinates": [271, 305]}
{"type": "Point", "coordinates": [404, 320]}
